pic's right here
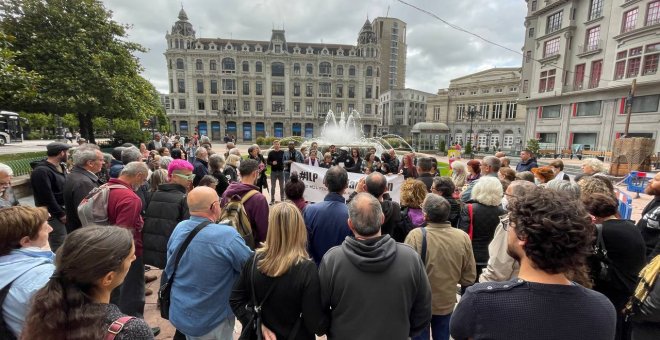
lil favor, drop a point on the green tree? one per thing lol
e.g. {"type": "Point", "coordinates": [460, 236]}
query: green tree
{"type": "Point", "coordinates": [16, 83]}
{"type": "Point", "coordinates": [84, 57]}
{"type": "Point", "coordinates": [468, 148]}
{"type": "Point", "coordinates": [533, 146]}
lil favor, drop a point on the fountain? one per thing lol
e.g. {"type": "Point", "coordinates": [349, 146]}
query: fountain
{"type": "Point", "coordinates": [347, 131]}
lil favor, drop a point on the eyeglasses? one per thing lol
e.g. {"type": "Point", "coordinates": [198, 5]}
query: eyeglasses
{"type": "Point", "coordinates": [186, 177]}
{"type": "Point", "coordinates": [505, 221]}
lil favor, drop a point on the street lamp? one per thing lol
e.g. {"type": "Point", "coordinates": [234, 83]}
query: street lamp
{"type": "Point", "coordinates": [472, 113]}
{"type": "Point", "coordinates": [225, 112]}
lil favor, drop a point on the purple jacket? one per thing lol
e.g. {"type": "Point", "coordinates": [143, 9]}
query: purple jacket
{"type": "Point", "coordinates": [256, 208]}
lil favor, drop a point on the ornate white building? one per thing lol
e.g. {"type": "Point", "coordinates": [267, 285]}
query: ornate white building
{"type": "Point", "coordinates": [251, 88]}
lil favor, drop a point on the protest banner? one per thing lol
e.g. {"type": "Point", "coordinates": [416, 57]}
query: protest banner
{"type": "Point", "coordinates": [315, 190]}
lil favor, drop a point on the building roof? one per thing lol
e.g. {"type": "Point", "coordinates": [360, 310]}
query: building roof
{"type": "Point", "coordinates": [429, 127]}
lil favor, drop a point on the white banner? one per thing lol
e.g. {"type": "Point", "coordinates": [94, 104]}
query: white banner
{"type": "Point", "coordinates": [315, 190]}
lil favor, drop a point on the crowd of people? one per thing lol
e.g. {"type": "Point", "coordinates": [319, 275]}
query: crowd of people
{"type": "Point", "coordinates": [534, 253]}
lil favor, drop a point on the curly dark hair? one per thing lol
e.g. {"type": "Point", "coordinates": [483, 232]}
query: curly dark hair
{"type": "Point", "coordinates": [557, 228]}
{"type": "Point", "coordinates": [601, 205]}
{"type": "Point", "coordinates": [294, 188]}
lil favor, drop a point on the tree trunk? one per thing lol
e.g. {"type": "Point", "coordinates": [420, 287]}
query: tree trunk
{"type": "Point", "coordinates": [86, 126]}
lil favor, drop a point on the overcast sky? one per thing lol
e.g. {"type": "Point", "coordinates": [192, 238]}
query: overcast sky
{"type": "Point", "coordinates": [436, 53]}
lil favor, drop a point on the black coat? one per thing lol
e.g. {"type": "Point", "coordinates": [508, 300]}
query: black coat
{"type": "Point", "coordinates": [48, 187]}
{"type": "Point", "coordinates": [486, 219]}
{"type": "Point", "coordinates": [223, 183]}
{"type": "Point", "coordinates": [166, 209]}
{"type": "Point", "coordinates": [79, 183]}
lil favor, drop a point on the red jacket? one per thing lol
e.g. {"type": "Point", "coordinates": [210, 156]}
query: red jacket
{"type": "Point", "coordinates": [124, 208]}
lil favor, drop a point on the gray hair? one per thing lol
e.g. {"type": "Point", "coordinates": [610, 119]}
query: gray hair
{"type": "Point", "coordinates": [131, 154]}
{"type": "Point", "coordinates": [365, 214]}
{"type": "Point", "coordinates": [488, 191]}
{"type": "Point", "coordinates": [436, 208]}
{"type": "Point", "coordinates": [595, 164]}
{"type": "Point", "coordinates": [201, 151]}
{"type": "Point", "coordinates": [165, 162]}
{"type": "Point", "coordinates": [571, 188]}
{"type": "Point", "coordinates": [216, 162]}
{"type": "Point", "coordinates": [493, 162]}
{"type": "Point", "coordinates": [235, 151]}
{"type": "Point", "coordinates": [107, 157]}
{"type": "Point", "coordinates": [133, 169]}
{"type": "Point", "coordinates": [4, 168]}
{"type": "Point", "coordinates": [458, 165]}
{"type": "Point", "coordinates": [84, 154]}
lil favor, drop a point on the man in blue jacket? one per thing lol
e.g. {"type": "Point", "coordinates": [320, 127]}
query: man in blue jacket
{"type": "Point", "coordinates": [527, 161]}
{"type": "Point", "coordinates": [327, 221]}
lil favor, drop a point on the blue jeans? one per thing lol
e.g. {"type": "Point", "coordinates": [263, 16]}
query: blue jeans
{"type": "Point", "coordinates": [224, 331]}
{"type": "Point", "coordinates": [439, 328]}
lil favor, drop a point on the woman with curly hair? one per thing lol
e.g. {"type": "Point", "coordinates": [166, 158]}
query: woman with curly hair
{"type": "Point", "coordinates": [75, 303]}
{"type": "Point", "coordinates": [413, 193]}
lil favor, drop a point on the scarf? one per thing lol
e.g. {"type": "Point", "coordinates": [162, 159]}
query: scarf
{"type": "Point", "coordinates": [647, 278]}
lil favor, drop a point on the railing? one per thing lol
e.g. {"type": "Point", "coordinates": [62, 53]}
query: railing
{"type": "Point", "coordinates": [597, 45]}
{"type": "Point", "coordinates": [22, 167]}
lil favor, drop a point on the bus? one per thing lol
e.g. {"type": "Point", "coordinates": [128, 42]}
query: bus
{"type": "Point", "coordinates": [10, 128]}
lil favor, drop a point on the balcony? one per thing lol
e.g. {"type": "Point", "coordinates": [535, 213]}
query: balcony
{"type": "Point", "coordinates": [590, 49]}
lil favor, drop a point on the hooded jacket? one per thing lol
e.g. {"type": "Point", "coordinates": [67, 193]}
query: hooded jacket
{"type": "Point", "coordinates": [367, 282]}
{"type": "Point", "coordinates": [256, 208]}
{"type": "Point", "coordinates": [29, 270]}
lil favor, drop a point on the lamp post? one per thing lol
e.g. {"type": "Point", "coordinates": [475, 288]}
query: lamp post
{"type": "Point", "coordinates": [472, 113]}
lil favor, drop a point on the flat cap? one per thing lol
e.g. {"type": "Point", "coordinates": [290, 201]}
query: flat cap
{"type": "Point", "coordinates": [57, 147]}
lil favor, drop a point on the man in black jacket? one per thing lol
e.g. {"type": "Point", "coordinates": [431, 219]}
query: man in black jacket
{"type": "Point", "coordinates": [649, 225]}
{"type": "Point", "coordinates": [276, 162]}
{"type": "Point", "coordinates": [87, 162]}
{"type": "Point", "coordinates": [201, 165]}
{"type": "Point", "coordinates": [376, 185]}
{"type": "Point", "coordinates": [47, 181]}
{"type": "Point", "coordinates": [424, 167]}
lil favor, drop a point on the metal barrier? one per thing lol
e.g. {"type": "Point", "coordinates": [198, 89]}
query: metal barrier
{"type": "Point", "coordinates": [22, 167]}
{"type": "Point", "coordinates": [625, 204]}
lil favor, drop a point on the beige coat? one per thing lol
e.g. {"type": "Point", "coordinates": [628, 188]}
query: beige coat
{"type": "Point", "coordinates": [449, 261]}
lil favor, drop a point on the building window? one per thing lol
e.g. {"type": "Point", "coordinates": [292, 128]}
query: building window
{"type": "Point", "coordinates": [296, 107]}
{"type": "Point", "coordinates": [645, 104]}
{"type": "Point", "coordinates": [525, 86]}
{"type": "Point", "coordinates": [367, 92]}
{"type": "Point", "coordinates": [339, 91]}
{"type": "Point", "coordinates": [650, 64]}
{"type": "Point", "coordinates": [325, 90]}
{"type": "Point", "coordinates": [619, 69]}
{"type": "Point", "coordinates": [214, 86]}
{"type": "Point", "coordinates": [340, 70]}
{"type": "Point", "coordinates": [214, 104]}
{"type": "Point", "coordinates": [351, 71]}
{"type": "Point", "coordinates": [653, 13]}
{"type": "Point", "coordinates": [228, 65]}
{"type": "Point", "coordinates": [171, 86]}
{"type": "Point", "coordinates": [246, 66]}
{"type": "Point", "coordinates": [339, 107]}
{"type": "Point", "coordinates": [596, 9]}
{"type": "Point", "coordinates": [533, 5]}
{"type": "Point", "coordinates": [258, 67]}
{"type": "Point", "coordinates": [200, 86]}
{"type": "Point", "coordinates": [554, 22]}
{"type": "Point", "coordinates": [351, 91]}
{"type": "Point", "coordinates": [296, 69]}
{"type": "Point", "coordinates": [497, 111]}
{"type": "Point", "coordinates": [483, 108]}
{"type": "Point", "coordinates": [324, 107]}
{"type": "Point", "coordinates": [629, 20]}
{"type": "Point", "coordinates": [296, 129]}
{"type": "Point", "coordinates": [246, 105]}
{"type": "Point", "coordinates": [296, 89]}
{"type": "Point", "coordinates": [199, 66]}
{"type": "Point", "coordinates": [325, 69]}
{"type": "Point", "coordinates": [549, 138]}
{"type": "Point", "coordinates": [182, 104]}
{"type": "Point", "coordinates": [278, 130]}
{"type": "Point", "coordinates": [579, 77]}
{"type": "Point", "coordinates": [511, 110]}
{"type": "Point", "coordinates": [594, 77]}
{"type": "Point", "coordinates": [213, 65]}
{"type": "Point", "coordinates": [259, 88]}
{"type": "Point", "coordinates": [309, 69]}
{"type": "Point", "coordinates": [308, 107]}
{"type": "Point", "coordinates": [508, 141]}
{"type": "Point", "coordinates": [531, 32]}
{"type": "Point", "coordinates": [351, 107]}
{"type": "Point", "coordinates": [277, 69]}
{"type": "Point", "coordinates": [259, 105]}
{"type": "Point", "coordinates": [586, 109]}
{"type": "Point", "coordinates": [370, 71]}
{"type": "Point", "coordinates": [181, 86]}
{"type": "Point", "coordinates": [551, 111]}
{"type": "Point", "coordinates": [200, 104]}
{"type": "Point", "coordinates": [528, 58]}
{"type": "Point", "coordinates": [179, 64]}
{"type": "Point", "coordinates": [593, 39]}
{"type": "Point", "coordinates": [228, 86]}
{"type": "Point", "coordinates": [460, 111]}
{"type": "Point", "coordinates": [547, 81]}
{"type": "Point", "coordinates": [246, 88]}
{"type": "Point", "coordinates": [277, 88]}
{"type": "Point", "coordinates": [309, 90]}
{"type": "Point", "coordinates": [633, 67]}
{"type": "Point", "coordinates": [367, 109]}
{"type": "Point", "coordinates": [278, 106]}
{"type": "Point", "coordinates": [551, 47]}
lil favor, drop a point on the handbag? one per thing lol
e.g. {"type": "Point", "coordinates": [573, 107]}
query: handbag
{"type": "Point", "coordinates": [166, 289]}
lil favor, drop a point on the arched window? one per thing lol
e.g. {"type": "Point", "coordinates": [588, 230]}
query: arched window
{"type": "Point", "coordinates": [370, 71]}
{"type": "Point", "coordinates": [179, 64]}
{"type": "Point", "coordinates": [325, 68]}
{"type": "Point", "coordinates": [246, 66]}
{"type": "Point", "coordinates": [199, 65]}
{"type": "Point", "coordinates": [258, 67]}
{"type": "Point", "coordinates": [277, 69]}
{"type": "Point", "coordinates": [340, 70]}
{"type": "Point", "coordinates": [228, 65]}
{"type": "Point", "coordinates": [212, 65]}
{"type": "Point", "coordinates": [351, 71]}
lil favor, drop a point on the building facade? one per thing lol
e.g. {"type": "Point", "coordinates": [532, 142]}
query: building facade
{"type": "Point", "coordinates": [580, 58]}
{"type": "Point", "coordinates": [250, 89]}
{"type": "Point", "coordinates": [499, 120]}
{"type": "Point", "coordinates": [391, 35]}
{"type": "Point", "coordinates": [401, 110]}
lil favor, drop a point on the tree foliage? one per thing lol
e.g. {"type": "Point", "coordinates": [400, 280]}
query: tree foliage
{"type": "Point", "coordinates": [16, 83]}
{"type": "Point", "coordinates": [85, 60]}
{"type": "Point", "coordinates": [533, 146]}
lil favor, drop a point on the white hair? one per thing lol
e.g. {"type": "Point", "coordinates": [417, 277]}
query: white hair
{"type": "Point", "coordinates": [165, 162]}
{"type": "Point", "coordinates": [458, 165]}
{"type": "Point", "coordinates": [84, 154]}
{"type": "Point", "coordinates": [488, 191]}
{"type": "Point", "coordinates": [595, 164]}
{"type": "Point", "coordinates": [235, 151]}
{"type": "Point", "coordinates": [4, 168]}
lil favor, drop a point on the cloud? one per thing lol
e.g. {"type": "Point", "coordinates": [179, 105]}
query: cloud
{"type": "Point", "coordinates": [436, 52]}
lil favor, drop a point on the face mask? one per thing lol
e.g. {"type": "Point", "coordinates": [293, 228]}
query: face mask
{"type": "Point", "coordinates": [505, 202]}
{"type": "Point", "coordinates": [536, 181]}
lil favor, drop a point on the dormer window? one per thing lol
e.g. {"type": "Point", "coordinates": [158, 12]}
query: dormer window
{"type": "Point", "coordinates": [310, 50]}
{"type": "Point", "coordinates": [258, 49]}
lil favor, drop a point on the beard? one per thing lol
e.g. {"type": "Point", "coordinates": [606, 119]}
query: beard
{"type": "Point", "coordinates": [649, 190]}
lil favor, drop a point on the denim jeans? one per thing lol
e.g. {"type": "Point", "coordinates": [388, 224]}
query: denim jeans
{"type": "Point", "coordinates": [439, 328]}
{"type": "Point", "coordinates": [224, 331]}
{"type": "Point", "coordinates": [276, 176]}
{"type": "Point", "coordinates": [56, 237]}
{"type": "Point", "coordinates": [129, 296]}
